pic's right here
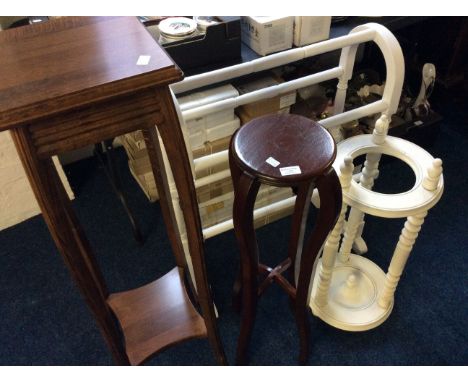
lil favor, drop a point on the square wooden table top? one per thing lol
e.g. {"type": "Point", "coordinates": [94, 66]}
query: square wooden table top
{"type": "Point", "coordinates": [68, 62]}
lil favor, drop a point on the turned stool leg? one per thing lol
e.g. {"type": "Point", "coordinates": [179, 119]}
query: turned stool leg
{"type": "Point", "coordinates": [331, 246]}
{"type": "Point", "coordinates": [400, 256]}
{"type": "Point", "coordinates": [246, 189]}
{"type": "Point", "coordinates": [329, 189]}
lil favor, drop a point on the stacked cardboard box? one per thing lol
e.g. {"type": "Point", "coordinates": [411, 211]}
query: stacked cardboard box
{"type": "Point", "coordinates": [310, 29]}
{"type": "Point", "coordinates": [216, 202]}
{"type": "Point", "coordinates": [278, 104]}
{"type": "Point", "coordinates": [211, 134]}
{"type": "Point", "coordinates": [213, 130]}
{"type": "Point", "coordinates": [214, 126]}
{"type": "Point", "coordinates": [212, 148]}
{"type": "Point", "coordinates": [267, 34]}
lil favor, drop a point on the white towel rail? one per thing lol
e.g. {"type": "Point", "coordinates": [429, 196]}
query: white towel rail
{"type": "Point", "coordinates": [376, 33]}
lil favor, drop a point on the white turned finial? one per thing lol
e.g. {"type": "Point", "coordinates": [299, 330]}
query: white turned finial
{"type": "Point", "coordinates": [431, 180]}
{"type": "Point", "coordinates": [380, 130]}
{"type": "Point", "coordinates": [346, 169]}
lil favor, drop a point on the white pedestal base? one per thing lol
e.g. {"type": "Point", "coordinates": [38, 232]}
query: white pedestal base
{"type": "Point", "coordinates": [353, 296]}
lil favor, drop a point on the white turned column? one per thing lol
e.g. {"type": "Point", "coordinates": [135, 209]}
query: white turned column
{"type": "Point", "coordinates": [331, 245]}
{"type": "Point", "coordinates": [352, 225]}
{"type": "Point", "coordinates": [359, 245]}
{"type": "Point", "coordinates": [400, 256]}
{"type": "Point", "coordinates": [408, 237]}
{"type": "Point", "coordinates": [370, 172]}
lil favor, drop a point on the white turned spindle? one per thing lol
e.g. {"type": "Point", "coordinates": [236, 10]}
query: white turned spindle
{"type": "Point", "coordinates": [380, 130]}
{"type": "Point", "coordinates": [402, 251]}
{"type": "Point", "coordinates": [370, 172]}
{"type": "Point", "coordinates": [431, 180]}
{"type": "Point", "coordinates": [355, 222]}
{"type": "Point", "coordinates": [351, 229]}
{"type": "Point", "coordinates": [331, 245]}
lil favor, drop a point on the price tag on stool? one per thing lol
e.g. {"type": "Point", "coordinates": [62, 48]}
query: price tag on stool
{"type": "Point", "coordinates": [291, 170]}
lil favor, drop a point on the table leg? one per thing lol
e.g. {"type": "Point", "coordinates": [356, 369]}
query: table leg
{"type": "Point", "coordinates": [69, 238]}
{"type": "Point", "coordinates": [160, 175]}
{"type": "Point", "coordinates": [173, 140]}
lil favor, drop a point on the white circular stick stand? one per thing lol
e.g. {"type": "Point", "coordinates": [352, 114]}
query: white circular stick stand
{"type": "Point", "coordinates": [352, 302]}
{"type": "Point", "coordinates": [349, 291]}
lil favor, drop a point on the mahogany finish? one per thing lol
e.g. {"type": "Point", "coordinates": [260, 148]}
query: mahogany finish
{"type": "Point", "coordinates": [75, 61]}
{"type": "Point", "coordinates": [72, 82]}
{"type": "Point", "coordinates": [292, 140]}
{"type": "Point", "coordinates": [288, 138]}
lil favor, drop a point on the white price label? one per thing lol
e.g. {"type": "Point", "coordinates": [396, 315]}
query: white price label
{"type": "Point", "coordinates": [143, 60]}
{"type": "Point", "coordinates": [272, 161]}
{"type": "Point", "coordinates": [291, 170]}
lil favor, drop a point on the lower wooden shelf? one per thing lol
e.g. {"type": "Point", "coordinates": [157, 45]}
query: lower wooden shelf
{"type": "Point", "coordinates": [155, 316]}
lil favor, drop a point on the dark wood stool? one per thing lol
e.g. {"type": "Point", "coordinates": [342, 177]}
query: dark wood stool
{"type": "Point", "coordinates": [284, 151]}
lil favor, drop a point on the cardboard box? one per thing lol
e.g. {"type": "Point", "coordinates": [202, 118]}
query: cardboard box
{"type": "Point", "coordinates": [267, 34]}
{"type": "Point", "coordinates": [146, 183]}
{"type": "Point", "coordinates": [205, 97]}
{"type": "Point", "coordinates": [214, 133]}
{"type": "Point", "coordinates": [310, 29]}
{"type": "Point", "coordinates": [214, 190]}
{"type": "Point", "coordinates": [274, 216]}
{"type": "Point", "coordinates": [212, 147]}
{"type": "Point", "coordinates": [218, 208]}
{"type": "Point", "coordinates": [196, 139]}
{"type": "Point", "coordinates": [222, 131]}
{"type": "Point", "coordinates": [265, 106]}
{"type": "Point", "coordinates": [244, 117]}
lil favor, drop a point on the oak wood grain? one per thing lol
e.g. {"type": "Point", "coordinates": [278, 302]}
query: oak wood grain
{"type": "Point", "coordinates": [70, 239]}
{"type": "Point", "coordinates": [155, 316]}
{"type": "Point", "coordinates": [173, 140]}
{"type": "Point", "coordinates": [94, 123]}
{"type": "Point", "coordinates": [69, 62]}
{"type": "Point", "coordinates": [72, 82]}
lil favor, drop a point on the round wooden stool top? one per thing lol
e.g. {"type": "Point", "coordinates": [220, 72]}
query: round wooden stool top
{"type": "Point", "coordinates": [289, 139]}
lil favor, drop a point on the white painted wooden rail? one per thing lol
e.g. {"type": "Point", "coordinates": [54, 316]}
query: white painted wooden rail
{"type": "Point", "coordinates": [348, 44]}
